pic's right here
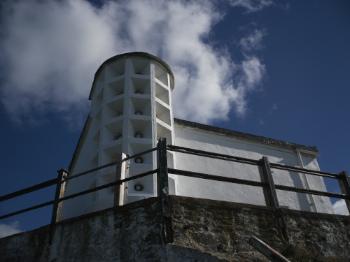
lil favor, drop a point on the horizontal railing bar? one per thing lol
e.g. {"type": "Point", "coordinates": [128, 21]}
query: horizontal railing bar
{"type": "Point", "coordinates": [191, 151]}
{"type": "Point", "coordinates": [311, 191]}
{"type": "Point", "coordinates": [304, 170]}
{"type": "Point", "coordinates": [137, 176]}
{"type": "Point", "coordinates": [90, 170]}
{"type": "Point", "coordinates": [118, 182]}
{"type": "Point", "coordinates": [109, 164]}
{"type": "Point", "coordinates": [30, 189]}
{"type": "Point", "coordinates": [139, 154]}
{"type": "Point", "coordinates": [214, 177]}
{"type": "Point", "coordinates": [27, 209]}
{"type": "Point", "coordinates": [80, 193]}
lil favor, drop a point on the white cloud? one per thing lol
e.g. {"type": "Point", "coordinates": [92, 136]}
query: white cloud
{"type": "Point", "coordinates": [251, 74]}
{"type": "Point", "coordinates": [51, 49]}
{"type": "Point", "coordinates": [251, 5]}
{"type": "Point", "coordinates": [253, 41]}
{"type": "Point", "coordinates": [7, 230]}
{"type": "Point", "coordinates": [340, 207]}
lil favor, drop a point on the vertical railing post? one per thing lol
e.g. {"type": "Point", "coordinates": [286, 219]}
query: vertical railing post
{"type": "Point", "coordinates": [122, 171]}
{"type": "Point", "coordinates": [162, 174]}
{"type": "Point", "coordinates": [271, 196]}
{"type": "Point", "coordinates": [60, 188]}
{"type": "Point", "coordinates": [344, 183]}
{"type": "Point", "coordinates": [269, 188]}
{"type": "Point", "coordinates": [163, 190]}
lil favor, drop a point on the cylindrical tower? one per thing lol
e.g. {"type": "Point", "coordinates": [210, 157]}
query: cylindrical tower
{"type": "Point", "coordinates": [130, 109]}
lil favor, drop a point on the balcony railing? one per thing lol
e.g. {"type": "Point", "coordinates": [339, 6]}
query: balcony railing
{"type": "Point", "coordinates": [162, 171]}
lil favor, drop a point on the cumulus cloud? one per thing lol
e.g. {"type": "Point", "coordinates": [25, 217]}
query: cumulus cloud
{"type": "Point", "coordinates": [51, 49]}
{"type": "Point", "coordinates": [9, 229]}
{"type": "Point", "coordinates": [340, 207]}
{"type": "Point", "coordinates": [251, 73]}
{"type": "Point", "coordinates": [251, 5]}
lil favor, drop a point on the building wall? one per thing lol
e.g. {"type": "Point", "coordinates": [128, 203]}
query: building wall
{"type": "Point", "coordinates": [209, 141]}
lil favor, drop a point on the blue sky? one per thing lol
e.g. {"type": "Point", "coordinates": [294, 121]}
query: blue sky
{"type": "Point", "coordinates": [296, 87]}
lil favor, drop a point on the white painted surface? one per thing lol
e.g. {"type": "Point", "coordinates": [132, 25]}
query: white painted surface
{"type": "Point", "coordinates": [209, 141]}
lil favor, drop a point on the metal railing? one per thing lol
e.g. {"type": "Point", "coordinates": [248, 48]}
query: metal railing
{"type": "Point", "coordinates": [267, 181]}
{"type": "Point", "coordinates": [61, 181]}
{"type": "Point", "coordinates": [162, 170]}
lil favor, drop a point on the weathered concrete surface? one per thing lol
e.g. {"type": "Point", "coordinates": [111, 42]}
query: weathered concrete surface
{"type": "Point", "coordinates": [223, 229]}
{"type": "Point", "coordinates": [29, 246]}
{"type": "Point", "coordinates": [203, 230]}
{"type": "Point", "coordinates": [129, 233]}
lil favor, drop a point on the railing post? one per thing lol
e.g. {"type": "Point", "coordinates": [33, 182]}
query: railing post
{"type": "Point", "coordinates": [344, 183]}
{"type": "Point", "coordinates": [122, 172]}
{"type": "Point", "coordinates": [163, 190]}
{"type": "Point", "coordinates": [269, 188]}
{"type": "Point", "coordinates": [60, 188]}
{"type": "Point", "coordinates": [271, 196]}
{"type": "Point", "coordinates": [162, 175]}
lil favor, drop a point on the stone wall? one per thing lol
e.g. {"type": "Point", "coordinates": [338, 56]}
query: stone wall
{"type": "Point", "coordinates": [223, 230]}
{"type": "Point", "coordinates": [202, 230]}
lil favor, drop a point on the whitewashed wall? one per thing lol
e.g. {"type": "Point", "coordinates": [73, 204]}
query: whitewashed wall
{"type": "Point", "coordinates": [130, 110]}
{"type": "Point", "coordinates": [214, 142]}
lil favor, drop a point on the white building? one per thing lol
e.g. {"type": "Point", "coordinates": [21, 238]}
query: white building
{"type": "Point", "coordinates": [131, 107]}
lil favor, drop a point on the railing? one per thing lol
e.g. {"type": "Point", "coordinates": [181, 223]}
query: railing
{"type": "Point", "coordinates": [267, 182]}
{"type": "Point", "coordinates": [61, 181]}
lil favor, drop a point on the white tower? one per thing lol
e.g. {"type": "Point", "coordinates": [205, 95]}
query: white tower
{"type": "Point", "coordinates": [130, 110]}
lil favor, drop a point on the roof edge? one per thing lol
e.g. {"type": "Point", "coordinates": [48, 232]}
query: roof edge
{"type": "Point", "coordinates": [78, 144]}
{"type": "Point", "coordinates": [129, 54]}
{"type": "Point", "coordinates": [248, 136]}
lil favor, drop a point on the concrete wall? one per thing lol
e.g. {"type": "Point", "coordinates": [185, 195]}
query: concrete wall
{"type": "Point", "coordinates": [202, 230]}
{"type": "Point", "coordinates": [214, 142]}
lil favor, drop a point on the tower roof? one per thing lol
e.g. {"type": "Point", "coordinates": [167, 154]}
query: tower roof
{"type": "Point", "coordinates": [130, 54]}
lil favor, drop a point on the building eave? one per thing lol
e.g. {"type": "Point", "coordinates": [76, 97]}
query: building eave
{"type": "Point", "coordinates": [247, 136]}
